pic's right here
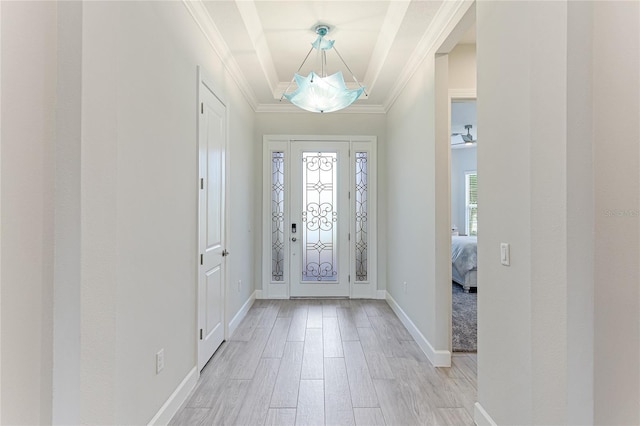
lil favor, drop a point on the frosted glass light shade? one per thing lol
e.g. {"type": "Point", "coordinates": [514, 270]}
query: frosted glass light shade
{"type": "Point", "coordinates": [323, 94]}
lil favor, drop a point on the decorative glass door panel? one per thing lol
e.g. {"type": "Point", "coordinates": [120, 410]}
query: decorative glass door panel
{"type": "Point", "coordinates": [319, 215]}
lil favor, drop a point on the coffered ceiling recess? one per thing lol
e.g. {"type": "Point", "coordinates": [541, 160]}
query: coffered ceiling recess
{"type": "Point", "coordinates": [262, 43]}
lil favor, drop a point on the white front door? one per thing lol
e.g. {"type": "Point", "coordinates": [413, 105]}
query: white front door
{"type": "Point", "coordinates": [211, 230]}
{"type": "Point", "coordinates": [319, 243]}
{"type": "Point", "coordinates": [319, 232]}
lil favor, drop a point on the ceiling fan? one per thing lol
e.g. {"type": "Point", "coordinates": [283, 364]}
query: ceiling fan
{"type": "Point", "coordinates": [467, 139]}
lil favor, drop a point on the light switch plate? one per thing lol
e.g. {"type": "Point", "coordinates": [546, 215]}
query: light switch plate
{"type": "Point", "coordinates": [505, 255]}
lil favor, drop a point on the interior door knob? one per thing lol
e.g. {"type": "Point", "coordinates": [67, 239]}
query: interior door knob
{"type": "Point", "coordinates": [225, 253]}
{"type": "Point", "coordinates": [294, 239]}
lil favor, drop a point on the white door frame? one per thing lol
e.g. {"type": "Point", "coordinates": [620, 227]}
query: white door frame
{"type": "Point", "coordinates": [282, 143]}
{"type": "Point", "coordinates": [203, 78]}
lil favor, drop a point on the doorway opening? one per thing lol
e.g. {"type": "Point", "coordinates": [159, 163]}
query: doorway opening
{"type": "Point", "coordinates": [464, 225]}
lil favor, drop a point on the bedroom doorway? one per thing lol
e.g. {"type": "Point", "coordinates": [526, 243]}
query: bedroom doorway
{"type": "Point", "coordinates": [464, 224]}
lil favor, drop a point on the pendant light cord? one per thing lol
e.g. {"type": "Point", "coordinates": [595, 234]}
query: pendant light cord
{"type": "Point", "coordinates": [294, 76]}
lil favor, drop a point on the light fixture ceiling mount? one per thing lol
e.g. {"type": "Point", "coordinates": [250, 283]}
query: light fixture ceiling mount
{"type": "Point", "coordinates": [322, 92]}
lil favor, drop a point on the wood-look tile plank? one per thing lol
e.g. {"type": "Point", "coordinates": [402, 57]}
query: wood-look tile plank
{"type": "Point", "coordinates": [337, 395]}
{"type": "Point", "coordinates": [360, 383]}
{"type": "Point", "coordinates": [386, 336]}
{"type": "Point", "coordinates": [285, 392]}
{"type": "Point", "coordinates": [379, 368]}
{"type": "Point", "coordinates": [310, 409]}
{"type": "Point", "coordinates": [331, 341]}
{"type": "Point", "coordinates": [314, 315]}
{"type": "Point", "coordinates": [360, 313]}
{"type": "Point", "coordinates": [410, 394]}
{"type": "Point", "coordinates": [287, 308]}
{"type": "Point", "coordinates": [298, 325]}
{"type": "Point", "coordinates": [453, 416]}
{"type": "Point", "coordinates": [256, 401]}
{"type": "Point", "coordinates": [329, 308]}
{"type": "Point", "coordinates": [411, 350]}
{"type": "Point", "coordinates": [464, 366]}
{"type": "Point", "coordinates": [270, 314]}
{"type": "Point", "coordinates": [214, 374]}
{"type": "Point", "coordinates": [313, 356]}
{"type": "Point", "coordinates": [465, 393]}
{"type": "Point", "coordinates": [278, 337]}
{"type": "Point", "coordinates": [396, 325]}
{"type": "Point", "coordinates": [369, 417]}
{"type": "Point", "coordinates": [375, 308]}
{"type": "Point", "coordinates": [347, 324]}
{"type": "Point", "coordinates": [281, 417]}
{"type": "Point", "coordinates": [244, 365]}
{"type": "Point", "coordinates": [248, 324]}
{"type": "Point", "coordinates": [395, 404]}
{"type": "Point", "coordinates": [225, 405]}
{"type": "Point", "coordinates": [188, 416]}
{"type": "Point", "coordinates": [426, 381]}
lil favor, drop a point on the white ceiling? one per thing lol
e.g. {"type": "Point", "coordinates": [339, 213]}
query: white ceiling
{"type": "Point", "coordinates": [264, 42]}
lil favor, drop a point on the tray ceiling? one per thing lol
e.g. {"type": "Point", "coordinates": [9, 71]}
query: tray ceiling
{"type": "Point", "coordinates": [263, 43]}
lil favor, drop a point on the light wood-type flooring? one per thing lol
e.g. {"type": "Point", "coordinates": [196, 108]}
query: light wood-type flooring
{"type": "Point", "coordinates": [333, 362]}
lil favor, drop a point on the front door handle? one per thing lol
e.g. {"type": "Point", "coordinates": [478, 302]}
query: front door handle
{"type": "Point", "coordinates": [225, 253]}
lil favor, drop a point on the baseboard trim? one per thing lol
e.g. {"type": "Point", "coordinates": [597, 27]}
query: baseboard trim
{"type": "Point", "coordinates": [239, 316]}
{"type": "Point", "coordinates": [438, 358]}
{"type": "Point", "coordinates": [258, 294]}
{"type": "Point", "coordinates": [381, 294]}
{"type": "Point", "coordinates": [481, 417]}
{"type": "Point", "coordinates": [177, 398]}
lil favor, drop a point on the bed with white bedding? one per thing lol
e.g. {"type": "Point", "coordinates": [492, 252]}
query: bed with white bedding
{"type": "Point", "coordinates": [464, 261]}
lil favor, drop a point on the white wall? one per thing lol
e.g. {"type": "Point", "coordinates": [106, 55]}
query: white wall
{"type": "Point", "coordinates": [139, 203]}
{"type": "Point", "coordinates": [462, 67]}
{"type": "Point", "coordinates": [326, 124]}
{"type": "Point", "coordinates": [116, 83]}
{"type": "Point", "coordinates": [418, 188]}
{"type": "Point", "coordinates": [616, 155]}
{"type": "Point", "coordinates": [67, 248]}
{"type": "Point", "coordinates": [558, 329]}
{"type": "Point", "coordinates": [28, 129]}
{"type": "Point", "coordinates": [522, 308]}
{"type": "Point", "coordinates": [411, 189]}
{"type": "Point", "coordinates": [462, 160]}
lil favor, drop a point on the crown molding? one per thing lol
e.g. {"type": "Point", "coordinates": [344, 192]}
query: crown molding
{"type": "Point", "coordinates": [201, 16]}
{"type": "Point", "coordinates": [448, 15]}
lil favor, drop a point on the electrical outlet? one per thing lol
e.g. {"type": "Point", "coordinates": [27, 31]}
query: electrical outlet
{"type": "Point", "coordinates": [405, 286]}
{"type": "Point", "coordinates": [159, 361]}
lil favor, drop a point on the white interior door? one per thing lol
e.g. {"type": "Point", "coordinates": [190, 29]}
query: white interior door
{"type": "Point", "coordinates": [320, 215]}
{"type": "Point", "coordinates": [211, 229]}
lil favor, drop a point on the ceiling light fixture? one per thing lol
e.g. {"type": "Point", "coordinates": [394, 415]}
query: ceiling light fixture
{"type": "Point", "coordinates": [319, 92]}
{"type": "Point", "coordinates": [466, 139]}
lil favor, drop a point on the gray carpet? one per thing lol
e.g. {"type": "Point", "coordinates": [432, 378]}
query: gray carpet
{"type": "Point", "coordinates": [464, 319]}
